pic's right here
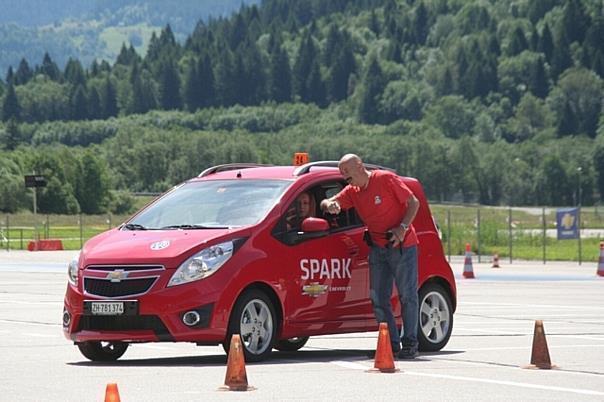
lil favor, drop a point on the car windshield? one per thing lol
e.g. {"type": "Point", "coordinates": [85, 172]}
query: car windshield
{"type": "Point", "coordinates": [211, 204]}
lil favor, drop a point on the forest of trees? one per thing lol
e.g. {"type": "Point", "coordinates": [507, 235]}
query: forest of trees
{"type": "Point", "coordinates": [496, 102]}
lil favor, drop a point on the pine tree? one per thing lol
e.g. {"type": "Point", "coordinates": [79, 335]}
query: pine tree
{"type": "Point", "coordinates": [74, 73]}
{"type": "Point", "coordinates": [109, 99]}
{"type": "Point", "coordinates": [169, 86]}
{"type": "Point", "coordinates": [226, 89]}
{"type": "Point", "coordinates": [10, 76]}
{"type": "Point", "coordinates": [567, 124]}
{"type": "Point", "coordinates": [420, 24]}
{"type": "Point", "coordinates": [79, 104]}
{"type": "Point", "coordinates": [207, 94]}
{"type": "Point", "coordinates": [94, 104]}
{"type": "Point", "coordinates": [192, 87]}
{"type": "Point", "coordinates": [302, 67]}
{"type": "Point", "coordinates": [575, 21]}
{"type": "Point", "coordinates": [12, 136]}
{"type": "Point", "coordinates": [518, 42]}
{"type": "Point", "coordinates": [561, 58]}
{"type": "Point", "coordinates": [546, 43]}
{"type": "Point", "coordinates": [280, 76]}
{"type": "Point", "coordinates": [11, 108]}
{"type": "Point", "coordinates": [50, 69]}
{"type": "Point", "coordinates": [373, 86]}
{"type": "Point", "coordinates": [24, 73]}
{"type": "Point", "coordinates": [539, 85]}
{"type": "Point", "coordinates": [316, 86]}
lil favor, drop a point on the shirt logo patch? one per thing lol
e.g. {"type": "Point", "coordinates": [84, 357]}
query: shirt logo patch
{"type": "Point", "coordinates": [377, 200]}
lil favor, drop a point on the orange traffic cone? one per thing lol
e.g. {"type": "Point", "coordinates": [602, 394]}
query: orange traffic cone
{"type": "Point", "coordinates": [384, 358]}
{"type": "Point", "coordinates": [540, 353]}
{"type": "Point", "coordinates": [495, 261]}
{"type": "Point", "coordinates": [236, 377]}
{"type": "Point", "coordinates": [111, 393]}
{"type": "Point", "coordinates": [601, 260]}
{"type": "Point", "coordinates": [468, 271]}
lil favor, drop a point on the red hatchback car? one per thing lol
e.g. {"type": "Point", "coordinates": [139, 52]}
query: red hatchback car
{"type": "Point", "coordinates": [218, 255]}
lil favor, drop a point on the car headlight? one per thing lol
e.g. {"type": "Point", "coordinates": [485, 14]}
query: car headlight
{"type": "Point", "coordinates": [202, 264]}
{"type": "Point", "coordinates": [72, 270]}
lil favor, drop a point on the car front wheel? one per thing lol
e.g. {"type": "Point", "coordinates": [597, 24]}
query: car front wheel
{"type": "Point", "coordinates": [254, 319]}
{"type": "Point", "coordinates": [102, 351]}
{"type": "Point", "coordinates": [435, 318]}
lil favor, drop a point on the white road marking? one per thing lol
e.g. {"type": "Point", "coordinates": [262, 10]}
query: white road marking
{"type": "Point", "coordinates": [33, 335]}
{"type": "Point", "coordinates": [28, 303]}
{"type": "Point", "coordinates": [42, 324]}
{"type": "Point", "coordinates": [525, 306]}
{"type": "Point", "coordinates": [510, 383]}
{"type": "Point", "coordinates": [524, 347]}
{"type": "Point", "coordinates": [358, 366]}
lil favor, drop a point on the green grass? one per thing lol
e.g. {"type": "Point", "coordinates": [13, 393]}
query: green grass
{"type": "Point", "coordinates": [526, 230]}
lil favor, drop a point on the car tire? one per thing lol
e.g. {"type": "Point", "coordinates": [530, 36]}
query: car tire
{"type": "Point", "coordinates": [254, 319]}
{"type": "Point", "coordinates": [102, 351]}
{"type": "Point", "coordinates": [435, 318]}
{"type": "Point", "coordinates": [291, 344]}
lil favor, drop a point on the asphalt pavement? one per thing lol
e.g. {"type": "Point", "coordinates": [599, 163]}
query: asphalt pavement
{"type": "Point", "coordinates": [484, 360]}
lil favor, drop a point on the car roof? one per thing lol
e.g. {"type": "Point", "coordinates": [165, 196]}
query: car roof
{"type": "Point", "coordinates": [259, 171]}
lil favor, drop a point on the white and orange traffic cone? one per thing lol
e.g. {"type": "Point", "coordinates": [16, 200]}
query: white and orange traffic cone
{"type": "Point", "coordinates": [601, 260]}
{"type": "Point", "coordinates": [495, 261]}
{"type": "Point", "coordinates": [468, 271]}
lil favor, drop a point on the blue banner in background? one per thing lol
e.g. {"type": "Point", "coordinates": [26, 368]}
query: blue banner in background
{"type": "Point", "coordinates": [566, 222]}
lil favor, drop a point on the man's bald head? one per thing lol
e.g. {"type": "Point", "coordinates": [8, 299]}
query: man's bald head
{"type": "Point", "coordinates": [353, 170]}
{"type": "Point", "coordinates": [350, 159]}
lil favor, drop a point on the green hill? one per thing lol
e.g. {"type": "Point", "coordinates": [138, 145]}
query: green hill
{"type": "Point", "coordinates": [492, 102]}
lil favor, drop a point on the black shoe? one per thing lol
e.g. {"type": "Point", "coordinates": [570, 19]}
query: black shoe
{"type": "Point", "coordinates": [408, 352]}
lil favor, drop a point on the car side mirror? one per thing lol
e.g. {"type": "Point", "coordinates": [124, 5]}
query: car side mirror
{"type": "Point", "coordinates": [313, 225]}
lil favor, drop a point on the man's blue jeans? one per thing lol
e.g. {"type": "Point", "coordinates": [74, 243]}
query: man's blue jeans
{"type": "Point", "coordinates": [398, 266]}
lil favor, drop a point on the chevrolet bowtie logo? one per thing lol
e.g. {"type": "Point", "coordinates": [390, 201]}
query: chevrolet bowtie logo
{"type": "Point", "coordinates": [314, 289]}
{"type": "Point", "coordinates": [117, 275]}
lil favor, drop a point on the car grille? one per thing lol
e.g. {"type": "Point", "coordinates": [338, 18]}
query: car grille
{"type": "Point", "coordinates": [125, 323]}
{"type": "Point", "coordinates": [126, 287]}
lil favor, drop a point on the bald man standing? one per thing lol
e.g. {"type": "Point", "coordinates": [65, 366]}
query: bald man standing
{"type": "Point", "coordinates": [387, 206]}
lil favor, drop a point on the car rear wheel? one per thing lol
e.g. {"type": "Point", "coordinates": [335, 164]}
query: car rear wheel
{"type": "Point", "coordinates": [254, 319]}
{"type": "Point", "coordinates": [102, 351]}
{"type": "Point", "coordinates": [435, 317]}
{"type": "Point", "coordinates": [291, 344]}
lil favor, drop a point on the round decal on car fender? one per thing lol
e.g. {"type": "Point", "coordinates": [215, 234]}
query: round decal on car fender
{"type": "Point", "coordinates": [160, 245]}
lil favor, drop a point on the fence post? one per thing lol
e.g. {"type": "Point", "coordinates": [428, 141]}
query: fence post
{"type": "Point", "coordinates": [510, 231]}
{"type": "Point", "coordinates": [81, 232]}
{"type": "Point", "coordinates": [449, 233]}
{"type": "Point", "coordinates": [544, 232]}
{"type": "Point", "coordinates": [109, 221]}
{"type": "Point", "coordinates": [7, 233]}
{"type": "Point", "coordinates": [47, 231]}
{"type": "Point", "coordinates": [579, 226]}
{"type": "Point", "coordinates": [478, 231]}
{"type": "Point", "coordinates": [21, 243]}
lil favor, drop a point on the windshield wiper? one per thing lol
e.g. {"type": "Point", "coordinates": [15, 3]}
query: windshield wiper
{"type": "Point", "coordinates": [188, 226]}
{"type": "Point", "coordinates": [134, 226]}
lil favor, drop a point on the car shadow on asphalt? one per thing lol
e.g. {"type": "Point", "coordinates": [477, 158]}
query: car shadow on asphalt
{"type": "Point", "coordinates": [305, 355]}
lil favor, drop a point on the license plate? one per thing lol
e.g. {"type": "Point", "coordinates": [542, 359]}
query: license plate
{"type": "Point", "coordinates": [107, 308]}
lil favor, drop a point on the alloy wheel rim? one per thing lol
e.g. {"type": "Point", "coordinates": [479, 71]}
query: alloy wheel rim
{"type": "Point", "coordinates": [256, 326]}
{"type": "Point", "coordinates": [435, 317]}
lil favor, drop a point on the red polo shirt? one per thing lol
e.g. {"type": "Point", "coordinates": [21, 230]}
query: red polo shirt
{"type": "Point", "coordinates": [381, 205]}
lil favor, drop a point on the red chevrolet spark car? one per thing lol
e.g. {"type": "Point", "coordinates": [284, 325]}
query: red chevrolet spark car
{"type": "Point", "coordinates": [220, 254]}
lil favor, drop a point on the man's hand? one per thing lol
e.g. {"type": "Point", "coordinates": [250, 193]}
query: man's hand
{"type": "Point", "coordinates": [398, 236]}
{"type": "Point", "coordinates": [331, 206]}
